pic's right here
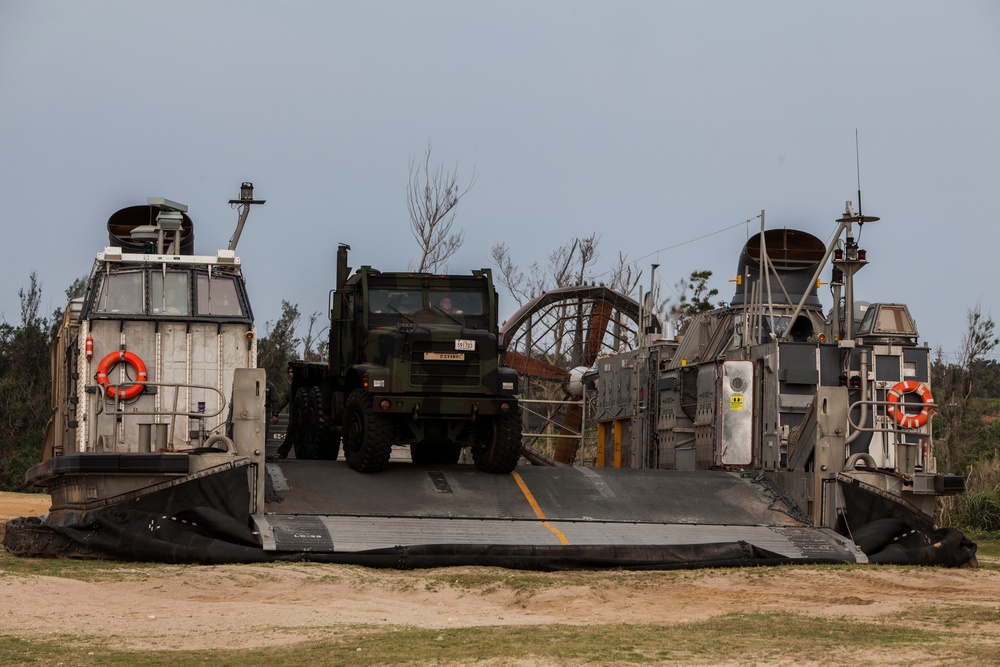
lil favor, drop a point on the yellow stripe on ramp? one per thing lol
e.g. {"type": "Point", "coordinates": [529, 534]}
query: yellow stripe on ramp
{"type": "Point", "coordinates": [538, 510]}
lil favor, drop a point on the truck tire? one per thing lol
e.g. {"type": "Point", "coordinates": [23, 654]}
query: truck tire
{"type": "Point", "coordinates": [314, 434]}
{"type": "Point", "coordinates": [301, 426]}
{"type": "Point", "coordinates": [367, 436]}
{"type": "Point", "coordinates": [499, 445]}
{"type": "Point", "coordinates": [327, 441]}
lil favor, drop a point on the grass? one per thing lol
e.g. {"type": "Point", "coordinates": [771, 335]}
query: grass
{"type": "Point", "coordinates": [951, 615]}
{"type": "Point", "coordinates": [743, 638]}
{"type": "Point", "coordinates": [930, 634]}
{"type": "Point", "coordinates": [987, 544]}
{"type": "Point", "coordinates": [83, 570]}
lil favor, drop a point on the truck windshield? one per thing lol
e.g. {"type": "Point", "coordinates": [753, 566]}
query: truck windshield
{"type": "Point", "coordinates": [457, 306]}
{"type": "Point", "coordinates": [458, 302]}
{"type": "Point", "coordinates": [405, 301]}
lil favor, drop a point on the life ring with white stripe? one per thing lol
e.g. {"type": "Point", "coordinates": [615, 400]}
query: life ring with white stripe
{"type": "Point", "coordinates": [112, 360]}
{"type": "Point", "coordinates": [896, 410]}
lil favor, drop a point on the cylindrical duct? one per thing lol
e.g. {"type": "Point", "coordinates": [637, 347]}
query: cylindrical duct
{"type": "Point", "coordinates": [123, 222]}
{"type": "Point", "coordinates": [793, 254]}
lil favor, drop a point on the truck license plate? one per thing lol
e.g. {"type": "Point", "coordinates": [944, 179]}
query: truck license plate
{"type": "Point", "coordinates": [465, 344]}
{"type": "Point", "coordinates": [444, 356]}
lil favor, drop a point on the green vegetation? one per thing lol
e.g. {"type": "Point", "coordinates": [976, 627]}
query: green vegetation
{"type": "Point", "coordinates": [25, 386]}
{"type": "Point", "coordinates": [731, 638]}
{"type": "Point", "coordinates": [988, 546]}
{"type": "Point", "coordinates": [967, 426]}
{"type": "Point", "coordinates": [82, 570]}
{"type": "Point", "coordinates": [951, 616]}
{"type": "Point", "coordinates": [978, 509]}
{"type": "Point", "coordinates": [965, 420]}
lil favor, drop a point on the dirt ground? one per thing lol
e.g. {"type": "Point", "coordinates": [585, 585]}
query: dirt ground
{"type": "Point", "coordinates": [271, 605]}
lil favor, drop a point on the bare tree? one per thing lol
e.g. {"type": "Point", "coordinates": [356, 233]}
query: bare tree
{"type": "Point", "coordinates": [569, 264]}
{"type": "Point", "coordinates": [560, 339]}
{"type": "Point", "coordinates": [625, 276]}
{"type": "Point", "coordinates": [431, 198]}
{"type": "Point", "coordinates": [314, 345]}
{"type": "Point", "coordinates": [511, 277]}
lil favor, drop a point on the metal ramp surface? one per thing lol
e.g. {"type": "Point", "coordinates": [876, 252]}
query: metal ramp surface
{"type": "Point", "coordinates": [326, 507]}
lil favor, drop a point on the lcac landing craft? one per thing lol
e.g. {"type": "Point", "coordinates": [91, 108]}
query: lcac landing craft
{"type": "Point", "coordinates": [156, 449]}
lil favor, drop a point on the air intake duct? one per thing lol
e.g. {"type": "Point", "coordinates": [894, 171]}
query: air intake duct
{"type": "Point", "coordinates": [794, 256]}
{"type": "Point", "coordinates": [123, 223]}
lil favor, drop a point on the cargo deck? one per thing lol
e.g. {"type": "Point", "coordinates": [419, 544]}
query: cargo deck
{"type": "Point", "coordinates": [326, 507]}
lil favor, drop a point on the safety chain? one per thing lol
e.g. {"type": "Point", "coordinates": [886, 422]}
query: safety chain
{"type": "Point", "coordinates": [776, 494]}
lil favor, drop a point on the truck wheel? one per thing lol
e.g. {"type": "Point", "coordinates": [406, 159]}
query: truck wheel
{"type": "Point", "coordinates": [367, 436]}
{"type": "Point", "coordinates": [314, 437]}
{"type": "Point", "coordinates": [327, 442]}
{"type": "Point", "coordinates": [499, 445]}
{"type": "Point", "coordinates": [302, 425]}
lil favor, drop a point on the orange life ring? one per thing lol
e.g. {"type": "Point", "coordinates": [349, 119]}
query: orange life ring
{"type": "Point", "coordinates": [109, 362]}
{"type": "Point", "coordinates": [899, 414]}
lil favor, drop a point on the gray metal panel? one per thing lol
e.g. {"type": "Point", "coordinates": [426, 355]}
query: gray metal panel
{"type": "Point", "coordinates": [608, 494]}
{"type": "Point", "coordinates": [298, 533]}
{"type": "Point", "coordinates": [326, 506]}
{"type": "Point", "coordinates": [888, 367]}
{"type": "Point", "coordinates": [358, 534]}
{"type": "Point", "coordinates": [919, 357]}
{"type": "Point", "coordinates": [809, 376]}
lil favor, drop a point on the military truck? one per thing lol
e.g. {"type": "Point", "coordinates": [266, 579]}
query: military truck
{"type": "Point", "coordinates": [413, 359]}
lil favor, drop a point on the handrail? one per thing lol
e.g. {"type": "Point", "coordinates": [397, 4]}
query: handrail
{"type": "Point", "coordinates": [857, 404]}
{"type": "Point", "coordinates": [174, 413]}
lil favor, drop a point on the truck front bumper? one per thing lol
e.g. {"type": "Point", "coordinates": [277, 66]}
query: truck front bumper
{"type": "Point", "coordinates": [443, 407]}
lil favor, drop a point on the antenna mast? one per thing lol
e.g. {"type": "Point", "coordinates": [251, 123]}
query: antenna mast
{"type": "Point", "coordinates": [244, 202]}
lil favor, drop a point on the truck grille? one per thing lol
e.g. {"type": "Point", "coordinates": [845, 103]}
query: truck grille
{"type": "Point", "coordinates": [446, 369]}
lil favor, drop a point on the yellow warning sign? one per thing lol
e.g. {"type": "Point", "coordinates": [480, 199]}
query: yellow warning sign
{"type": "Point", "coordinates": [736, 402]}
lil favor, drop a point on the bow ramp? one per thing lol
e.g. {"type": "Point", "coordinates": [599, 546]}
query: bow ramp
{"type": "Point", "coordinates": [537, 516]}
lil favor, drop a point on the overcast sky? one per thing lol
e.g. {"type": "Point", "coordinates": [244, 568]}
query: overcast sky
{"type": "Point", "coordinates": [650, 123]}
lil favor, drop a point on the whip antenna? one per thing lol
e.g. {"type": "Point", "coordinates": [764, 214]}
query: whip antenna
{"type": "Point", "coordinates": [857, 157]}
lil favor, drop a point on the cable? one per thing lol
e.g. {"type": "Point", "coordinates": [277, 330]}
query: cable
{"type": "Point", "coordinates": [635, 262]}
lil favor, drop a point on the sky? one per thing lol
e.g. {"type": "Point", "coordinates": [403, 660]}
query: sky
{"type": "Point", "coordinates": [660, 126]}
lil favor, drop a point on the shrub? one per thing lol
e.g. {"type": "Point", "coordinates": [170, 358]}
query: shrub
{"type": "Point", "coordinates": [978, 509]}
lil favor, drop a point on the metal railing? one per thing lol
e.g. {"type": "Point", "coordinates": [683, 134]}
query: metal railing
{"type": "Point", "coordinates": [119, 414]}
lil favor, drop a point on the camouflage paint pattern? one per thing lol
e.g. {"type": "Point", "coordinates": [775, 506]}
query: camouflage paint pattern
{"type": "Point", "coordinates": [391, 335]}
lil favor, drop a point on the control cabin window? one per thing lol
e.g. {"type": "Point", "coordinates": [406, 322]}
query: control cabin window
{"type": "Point", "coordinates": [880, 319]}
{"type": "Point", "coordinates": [122, 293]}
{"type": "Point", "coordinates": [217, 296]}
{"type": "Point", "coordinates": [894, 319]}
{"type": "Point", "coordinates": [170, 293]}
